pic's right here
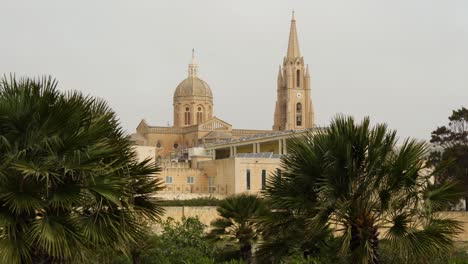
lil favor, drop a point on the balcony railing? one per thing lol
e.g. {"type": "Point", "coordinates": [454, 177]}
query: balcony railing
{"type": "Point", "coordinates": [193, 188]}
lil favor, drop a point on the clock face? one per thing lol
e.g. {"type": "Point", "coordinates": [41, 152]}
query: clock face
{"type": "Point", "coordinates": [298, 95]}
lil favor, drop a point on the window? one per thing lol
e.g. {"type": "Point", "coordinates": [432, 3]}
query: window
{"type": "Point", "coordinates": [211, 185]}
{"type": "Point", "coordinates": [263, 179]}
{"type": "Point", "coordinates": [199, 115]}
{"type": "Point", "coordinates": [298, 114]}
{"type": "Point", "coordinates": [187, 116]}
{"type": "Point", "coordinates": [298, 78]}
{"type": "Point", "coordinates": [190, 179]}
{"type": "Point", "coordinates": [176, 145]}
{"type": "Point", "coordinates": [168, 179]}
{"type": "Point", "coordinates": [158, 145]}
{"type": "Point", "coordinates": [248, 180]}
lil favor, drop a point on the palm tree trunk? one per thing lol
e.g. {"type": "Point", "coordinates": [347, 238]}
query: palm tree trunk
{"type": "Point", "coordinates": [136, 258]}
{"type": "Point", "coordinates": [374, 241]}
{"type": "Point", "coordinates": [40, 257]}
{"type": "Point", "coordinates": [357, 242]}
{"type": "Point", "coordinates": [246, 252]}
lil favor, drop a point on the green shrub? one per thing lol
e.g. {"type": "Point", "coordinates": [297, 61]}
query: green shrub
{"type": "Point", "coordinates": [177, 242]}
{"type": "Point", "coordinates": [204, 201]}
{"type": "Point", "coordinates": [180, 242]}
{"type": "Point", "coordinates": [458, 256]}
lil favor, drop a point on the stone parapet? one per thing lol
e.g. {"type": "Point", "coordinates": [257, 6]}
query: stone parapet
{"type": "Point", "coordinates": [207, 214]}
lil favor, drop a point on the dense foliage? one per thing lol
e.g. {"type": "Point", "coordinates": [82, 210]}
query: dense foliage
{"type": "Point", "coordinates": [202, 201]}
{"type": "Point", "coordinates": [179, 242]}
{"type": "Point", "coordinates": [173, 242]}
{"type": "Point", "coordinates": [450, 156]}
{"type": "Point", "coordinates": [355, 180]}
{"type": "Point", "coordinates": [70, 182]}
{"type": "Point", "coordinates": [185, 242]}
{"type": "Point", "coordinates": [237, 222]}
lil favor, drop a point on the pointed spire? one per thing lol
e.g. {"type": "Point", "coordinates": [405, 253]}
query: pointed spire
{"type": "Point", "coordinates": [280, 73]}
{"type": "Point", "coordinates": [193, 66]}
{"type": "Point", "coordinates": [293, 44]}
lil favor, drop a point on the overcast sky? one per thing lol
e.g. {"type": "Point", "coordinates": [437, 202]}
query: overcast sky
{"type": "Point", "coordinates": [403, 62]}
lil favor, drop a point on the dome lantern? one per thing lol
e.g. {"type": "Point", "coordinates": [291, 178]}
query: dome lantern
{"type": "Point", "coordinates": [195, 95]}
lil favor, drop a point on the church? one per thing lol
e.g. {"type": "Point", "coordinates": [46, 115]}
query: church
{"type": "Point", "coordinates": [202, 153]}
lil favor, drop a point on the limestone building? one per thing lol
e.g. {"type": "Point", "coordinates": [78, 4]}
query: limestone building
{"type": "Point", "coordinates": [193, 99]}
{"type": "Point", "coordinates": [194, 122]}
{"type": "Point", "coordinates": [294, 105]}
{"type": "Point", "coordinates": [203, 154]}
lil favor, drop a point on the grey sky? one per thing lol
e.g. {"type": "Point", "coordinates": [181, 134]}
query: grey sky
{"type": "Point", "coordinates": [402, 62]}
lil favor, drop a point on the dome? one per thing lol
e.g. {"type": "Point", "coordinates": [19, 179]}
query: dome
{"type": "Point", "coordinates": [193, 86]}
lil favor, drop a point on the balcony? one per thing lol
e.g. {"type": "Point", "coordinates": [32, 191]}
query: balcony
{"type": "Point", "coordinates": [193, 188]}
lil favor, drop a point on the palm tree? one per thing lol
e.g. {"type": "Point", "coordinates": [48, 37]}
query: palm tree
{"type": "Point", "coordinates": [70, 182]}
{"type": "Point", "coordinates": [285, 236]}
{"type": "Point", "coordinates": [237, 221]}
{"type": "Point", "coordinates": [356, 180]}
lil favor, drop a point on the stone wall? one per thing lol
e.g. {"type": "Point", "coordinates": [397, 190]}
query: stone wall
{"type": "Point", "coordinates": [461, 216]}
{"type": "Point", "coordinates": [188, 196]}
{"type": "Point", "coordinates": [206, 214]}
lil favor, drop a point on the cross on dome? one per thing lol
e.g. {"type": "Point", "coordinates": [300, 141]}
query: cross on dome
{"type": "Point", "coordinates": [193, 66]}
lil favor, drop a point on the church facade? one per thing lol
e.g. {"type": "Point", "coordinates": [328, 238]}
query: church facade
{"type": "Point", "coordinates": [202, 153]}
{"type": "Point", "coordinates": [194, 122]}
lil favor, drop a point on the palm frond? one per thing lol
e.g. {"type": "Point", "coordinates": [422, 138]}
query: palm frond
{"type": "Point", "coordinates": [352, 177]}
{"type": "Point", "coordinates": [70, 180]}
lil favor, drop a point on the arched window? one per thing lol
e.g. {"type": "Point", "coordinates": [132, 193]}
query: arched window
{"type": "Point", "coordinates": [187, 116]}
{"type": "Point", "coordinates": [199, 115]}
{"type": "Point", "coordinates": [298, 78]}
{"type": "Point", "coordinates": [298, 114]}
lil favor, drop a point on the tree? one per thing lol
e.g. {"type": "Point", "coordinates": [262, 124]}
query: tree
{"type": "Point", "coordinates": [237, 221]}
{"type": "Point", "coordinates": [286, 238]}
{"type": "Point", "coordinates": [175, 242]}
{"type": "Point", "coordinates": [450, 155]}
{"type": "Point", "coordinates": [181, 242]}
{"type": "Point", "coordinates": [171, 242]}
{"type": "Point", "coordinates": [70, 182]}
{"type": "Point", "coordinates": [355, 180]}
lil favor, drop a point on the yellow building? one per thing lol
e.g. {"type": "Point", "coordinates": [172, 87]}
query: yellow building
{"type": "Point", "coordinates": [194, 123]}
{"type": "Point", "coordinates": [202, 154]}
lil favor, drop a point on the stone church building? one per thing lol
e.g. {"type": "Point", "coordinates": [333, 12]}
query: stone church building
{"type": "Point", "coordinates": [194, 122]}
{"type": "Point", "coordinates": [202, 153]}
{"type": "Point", "coordinates": [293, 108]}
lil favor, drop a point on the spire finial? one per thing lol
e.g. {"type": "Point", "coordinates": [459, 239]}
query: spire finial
{"type": "Point", "coordinates": [293, 43]}
{"type": "Point", "coordinates": [193, 67]}
{"type": "Point", "coordinates": [193, 57]}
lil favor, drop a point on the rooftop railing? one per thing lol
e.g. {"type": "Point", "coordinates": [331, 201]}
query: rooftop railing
{"type": "Point", "coordinates": [193, 188]}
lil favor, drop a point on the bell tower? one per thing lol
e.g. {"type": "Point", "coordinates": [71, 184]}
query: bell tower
{"type": "Point", "coordinates": [293, 108]}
